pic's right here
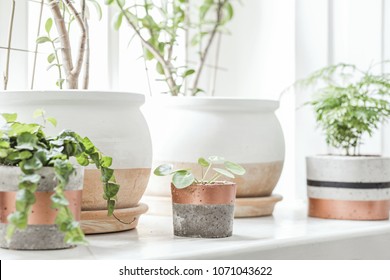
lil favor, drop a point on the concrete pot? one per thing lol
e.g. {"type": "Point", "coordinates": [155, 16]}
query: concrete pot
{"type": "Point", "coordinates": [255, 141]}
{"type": "Point", "coordinates": [114, 122]}
{"type": "Point", "coordinates": [41, 232]}
{"type": "Point", "coordinates": [204, 211]}
{"type": "Point", "coordinates": [349, 188]}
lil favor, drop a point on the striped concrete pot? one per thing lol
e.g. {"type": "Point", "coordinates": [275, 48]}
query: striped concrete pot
{"type": "Point", "coordinates": [204, 211]}
{"type": "Point", "coordinates": [41, 233]}
{"type": "Point", "coordinates": [349, 188]}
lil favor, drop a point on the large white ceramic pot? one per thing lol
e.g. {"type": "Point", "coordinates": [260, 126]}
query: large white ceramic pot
{"type": "Point", "coordinates": [114, 122]}
{"type": "Point", "coordinates": [245, 131]}
{"type": "Point", "coordinates": [348, 188]}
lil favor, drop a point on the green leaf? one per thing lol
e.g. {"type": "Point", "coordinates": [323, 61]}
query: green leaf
{"type": "Point", "coordinates": [52, 120]}
{"type": "Point", "coordinates": [189, 72]}
{"type": "Point", "coordinates": [30, 179]}
{"type": "Point", "coordinates": [10, 118]}
{"type": "Point", "coordinates": [3, 153]}
{"type": "Point", "coordinates": [48, 25]}
{"type": "Point", "coordinates": [59, 200]}
{"type": "Point", "coordinates": [60, 82]}
{"type": "Point", "coordinates": [224, 172]}
{"type": "Point", "coordinates": [32, 164]}
{"type": "Point", "coordinates": [25, 155]}
{"type": "Point", "coordinates": [163, 170]}
{"type": "Point", "coordinates": [111, 189]}
{"type": "Point", "coordinates": [4, 144]}
{"type": "Point", "coordinates": [107, 174]}
{"type": "Point", "coordinates": [230, 12]}
{"type": "Point", "coordinates": [89, 146]}
{"type": "Point", "coordinates": [216, 159]}
{"type": "Point", "coordinates": [117, 20]}
{"type": "Point", "coordinates": [26, 141]}
{"type": "Point", "coordinates": [39, 113]}
{"type": "Point", "coordinates": [51, 57]}
{"type": "Point", "coordinates": [83, 159]}
{"type": "Point", "coordinates": [203, 162]}
{"type": "Point", "coordinates": [106, 161]}
{"type": "Point", "coordinates": [234, 168]}
{"type": "Point", "coordinates": [43, 39]}
{"type": "Point", "coordinates": [182, 179]}
{"type": "Point", "coordinates": [108, 2]}
{"type": "Point", "coordinates": [97, 8]}
{"type": "Point", "coordinates": [159, 68]}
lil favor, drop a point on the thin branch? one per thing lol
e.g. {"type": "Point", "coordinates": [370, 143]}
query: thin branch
{"type": "Point", "coordinates": [11, 26]}
{"type": "Point", "coordinates": [63, 35]}
{"type": "Point", "coordinates": [216, 62]}
{"type": "Point", "coordinates": [87, 50]}
{"type": "Point", "coordinates": [203, 55]}
{"type": "Point", "coordinates": [166, 65]}
{"type": "Point", "coordinates": [79, 61]}
{"type": "Point", "coordinates": [20, 50]}
{"type": "Point", "coordinates": [36, 45]}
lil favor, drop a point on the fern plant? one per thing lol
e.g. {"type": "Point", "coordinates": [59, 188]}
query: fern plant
{"type": "Point", "coordinates": [349, 103]}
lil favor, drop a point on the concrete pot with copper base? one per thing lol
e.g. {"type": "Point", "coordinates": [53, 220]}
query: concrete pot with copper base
{"type": "Point", "coordinates": [204, 210]}
{"type": "Point", "coordinates": [41, 233]}
{"type": "Point", "coordinates": [115, 124]}
{"type": "Point", "coordinates": [255, 142]}
{"type": "Point", "coordinates": [349, 187]}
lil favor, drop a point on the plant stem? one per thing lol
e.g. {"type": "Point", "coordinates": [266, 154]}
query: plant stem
{"type": "Point", "coordinates": [36, 45]}
{"type": "Point", "coordinates": [213, 179]}
{"type": "Point", "coordinates": [165, 64]}
{"type": "Point", "coordinates": [11, 26]}
{"type": "Point", "coordinates": [207, 171]}
{"type": "Point", "coordinates": [87, 50]}
{"type": "Point", "coordinates": [58, 65]}
{"type": "Point", "coordinates": [203, 55]}
{"type": "Point", "coordinates": [216, 64]}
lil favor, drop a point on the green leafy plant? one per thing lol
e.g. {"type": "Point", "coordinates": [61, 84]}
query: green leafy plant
{"type": "Point", "coordinates": [183, 178]}
{"type": "Point", "coordinates": [27, 147]}
{"type": "Point", "coordinates": [349, 103]}
{"type": "Point", "coordinates": [162, 26]}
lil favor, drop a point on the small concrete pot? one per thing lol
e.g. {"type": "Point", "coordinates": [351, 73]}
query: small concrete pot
{"type": "Point", "coordinates": [41, 233]}
{"type": "Point", "coordinates": [204, 211]}
{"type": "Point", "coordinates": [348, 188]}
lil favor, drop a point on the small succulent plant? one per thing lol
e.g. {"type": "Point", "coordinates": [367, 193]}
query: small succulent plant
{"type": "Point", "coordinates": [183, 178]}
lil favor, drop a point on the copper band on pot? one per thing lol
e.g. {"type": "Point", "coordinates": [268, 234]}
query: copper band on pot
{"type": "Point", "coordinates": [41, 212]}
{"type": "Point", "coordinates": [205, 194]}
{"type": "Point", "coordinates": [349, 210]}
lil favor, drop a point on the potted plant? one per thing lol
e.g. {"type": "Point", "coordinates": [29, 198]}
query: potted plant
{"type": "Point", "coordinates": [40, 186]}
{"type": "Point", "coordinates": [167, 29]}
{"type": "Point", "coordinates": [349, 105]}
{"type": "Point", "coordinates": [203, 207]}
{"type": "Point", "coordinates": [113, 120]}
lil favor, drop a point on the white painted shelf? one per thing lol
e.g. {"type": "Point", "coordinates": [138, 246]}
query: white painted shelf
{"type": "Point", "coordinates": [289, 234]}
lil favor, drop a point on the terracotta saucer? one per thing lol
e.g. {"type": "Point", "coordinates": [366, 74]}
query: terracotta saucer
{"type": "Point", "coordinates": [256, 206]}
{"type": "Point", "coordinates": [97, 221]}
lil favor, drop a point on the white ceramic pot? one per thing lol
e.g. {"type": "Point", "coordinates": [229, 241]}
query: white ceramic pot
{"type": "Point", "coordinates": [245, 131]}
{"type": "Point", "coordinates": [114, 122]}
{"type": "Point", "coordinates": [351, 188]}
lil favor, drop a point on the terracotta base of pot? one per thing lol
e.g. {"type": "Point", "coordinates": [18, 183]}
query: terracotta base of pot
{"type": "Point", "coordinates": [256, 206]}
{"type": "Point", "coordinates": [349, 210]}
{"type": "Point", "coordinates": [97, 221]}
{"type": "Point", "coordinates": [245, 207]}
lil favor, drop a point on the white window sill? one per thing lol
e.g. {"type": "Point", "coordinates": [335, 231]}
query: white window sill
{"type": "Point", "coordinates": [289, 234]}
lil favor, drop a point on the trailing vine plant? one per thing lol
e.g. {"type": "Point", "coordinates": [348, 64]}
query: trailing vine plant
{"type": "Point", "coordinates": [26, 146]}
{"type": "Point", "coordinates": [349, 103]}
{"type": "Point", "coordinates": [161, 25]}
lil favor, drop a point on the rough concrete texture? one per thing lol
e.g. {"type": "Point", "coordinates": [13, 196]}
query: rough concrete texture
{"type": "Point", "coordinates": [203, 221]}
{"type": "Point", "coordinates": [9, 179]}
{"type": "Point", "coordinates": [35, 237]}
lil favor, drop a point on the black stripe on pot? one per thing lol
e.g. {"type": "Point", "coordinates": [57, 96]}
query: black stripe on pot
{"type": "Point", "coordinates": [383, 185]}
